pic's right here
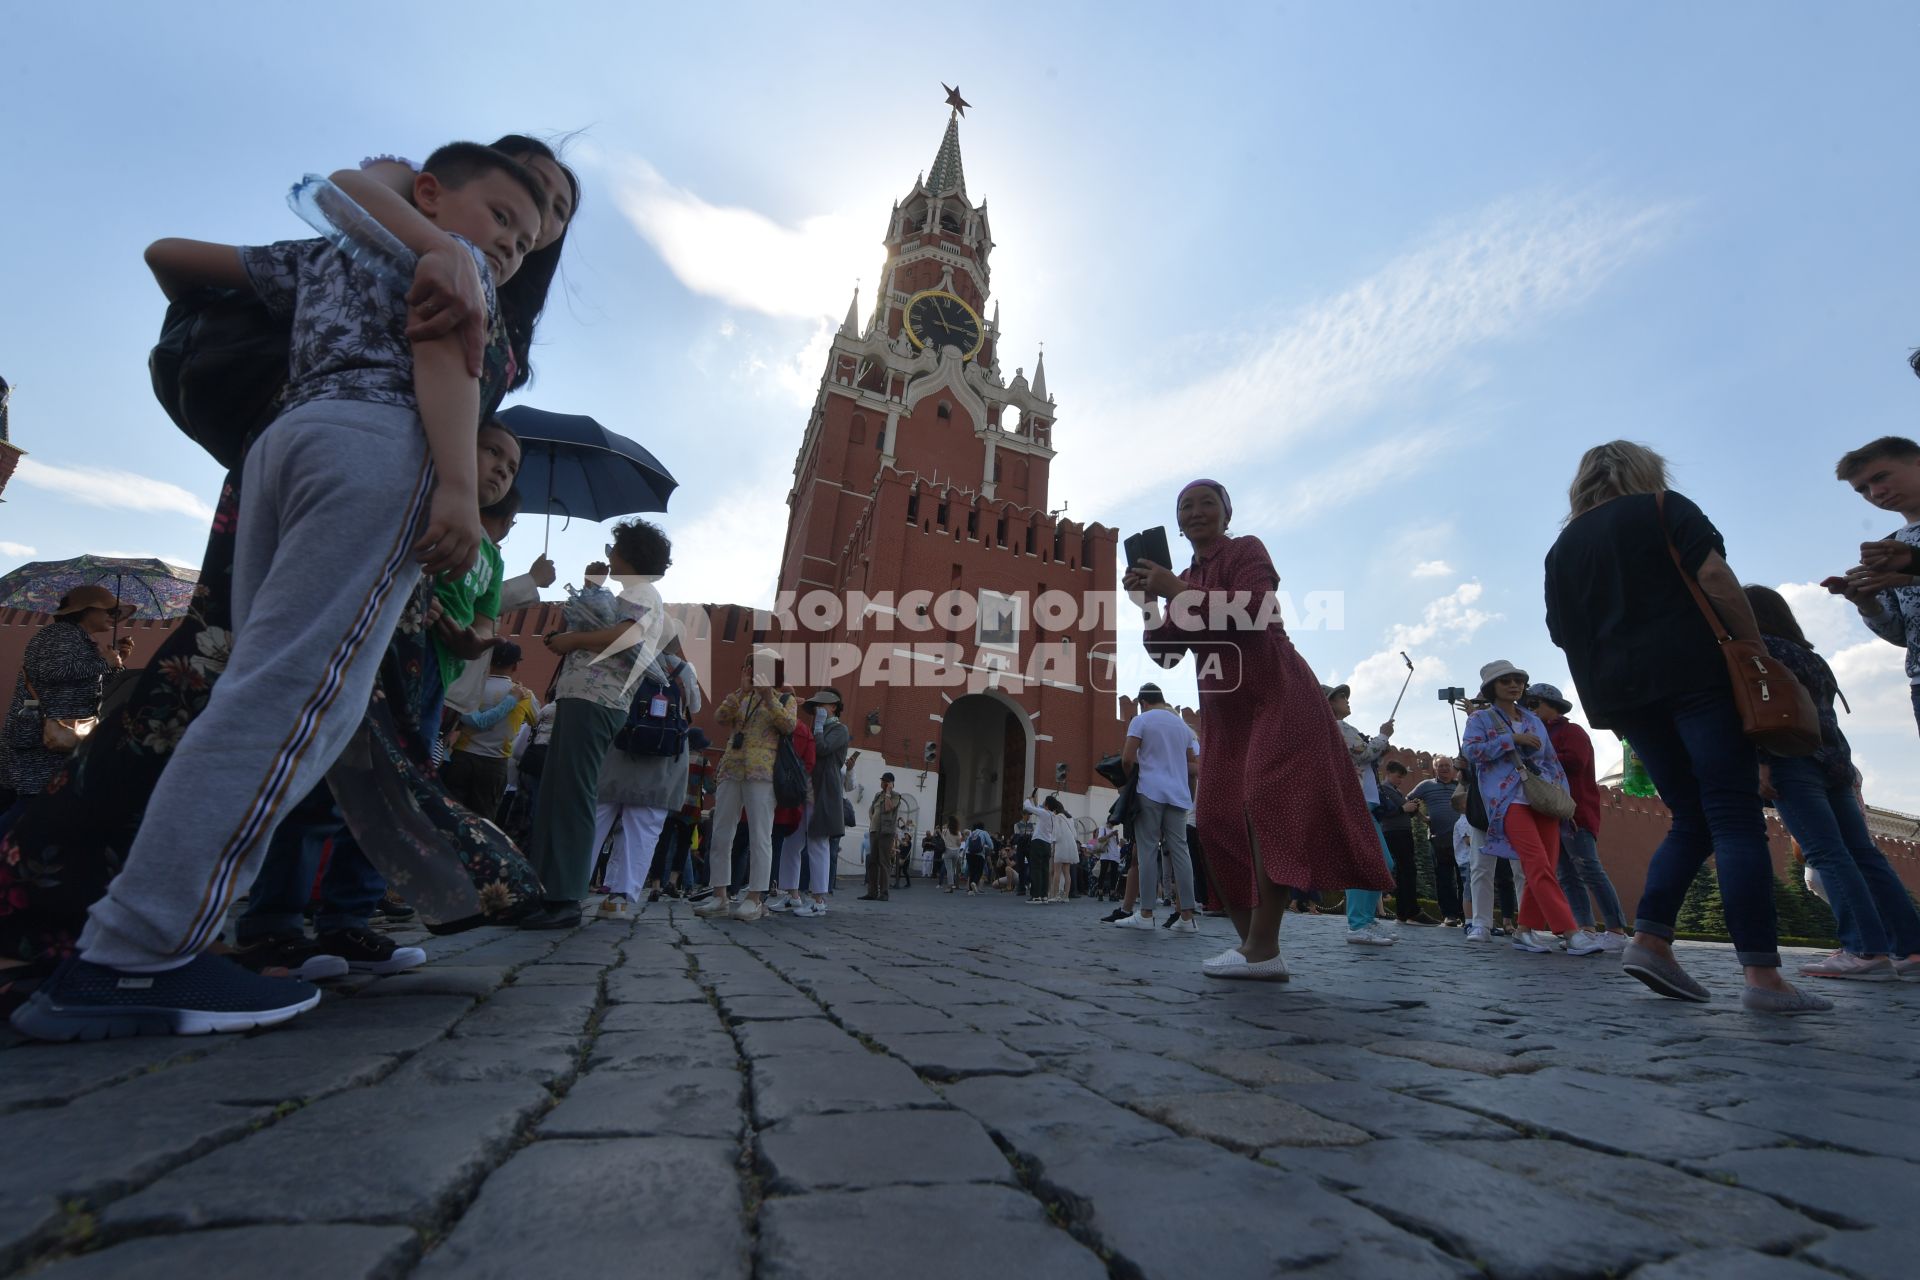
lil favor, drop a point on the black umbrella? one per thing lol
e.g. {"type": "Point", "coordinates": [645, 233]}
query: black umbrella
{"type": "Point", "coordinates": [572, 466]}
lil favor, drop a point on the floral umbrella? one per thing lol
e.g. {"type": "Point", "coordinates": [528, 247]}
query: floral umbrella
{"type": "Point", "coordinates": [154, 588]}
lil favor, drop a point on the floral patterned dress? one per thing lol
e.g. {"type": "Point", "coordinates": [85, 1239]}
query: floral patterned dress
{"type": "Point", "coordinates": [1276, 782]}
{"type": "Point", "coordinates": [67, 844]}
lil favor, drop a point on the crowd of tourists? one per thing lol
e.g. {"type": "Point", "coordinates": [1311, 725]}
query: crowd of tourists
{"type": "Point", "coordinates": [369, 749]}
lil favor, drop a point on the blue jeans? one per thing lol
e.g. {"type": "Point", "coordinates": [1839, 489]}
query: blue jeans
{"type": "Point", "coordinates": [1913, 691]}
{"type": "Point", "coordinates": [1363, 905]}
{"type": "Point", "coordinates": [1580, 874]}
{"type": "Point", "coordinates": [1869, 903]}
{"type": "Point", "coordinates": [433, 700]}
{"type": "Point", "coordinates": [351, 889]}
{"type": "Point", "coordinates": [1708, 775]}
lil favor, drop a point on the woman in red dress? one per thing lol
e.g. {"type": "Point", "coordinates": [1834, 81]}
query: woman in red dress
{"type": "Point", "coordinates": [1279, 806]}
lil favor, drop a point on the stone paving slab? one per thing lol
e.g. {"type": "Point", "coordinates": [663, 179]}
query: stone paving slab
{"type": "Point", "coordinates": [940, 1086]}
{"type": "Point", "coordinates": [604, 1208]}
{"type": "Point", "coordinates": [930, 1233]}
{"type": "Point", "coordinates": [858, 1151]}
{"type": "Point", "coordinates": [343, 1252]}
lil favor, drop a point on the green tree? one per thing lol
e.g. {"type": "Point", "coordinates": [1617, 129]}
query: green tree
{"type": "Point", "coordinates": [1423, 857]}
{"type": "Point", "coordinates": [1802, 914]}
{"type": "Point", "coordinates": [1701, 911]}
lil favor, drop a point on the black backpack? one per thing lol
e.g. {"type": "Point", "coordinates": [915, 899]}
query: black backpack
{"type": "Point", "coordinates": [656, 720]}
{"type": "Point", "coordinates": [219, 369]}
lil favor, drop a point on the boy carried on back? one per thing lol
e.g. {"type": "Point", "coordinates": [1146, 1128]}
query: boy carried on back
{"type": "Point", "coordinates": [367, 477]}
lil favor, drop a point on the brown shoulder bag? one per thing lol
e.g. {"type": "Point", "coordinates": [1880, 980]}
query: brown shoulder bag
{"type": "Point", "coordinates": [1776, 713]}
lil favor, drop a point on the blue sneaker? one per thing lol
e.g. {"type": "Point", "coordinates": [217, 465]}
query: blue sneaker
{"type": "Point", "coordinates": [85, 1001]}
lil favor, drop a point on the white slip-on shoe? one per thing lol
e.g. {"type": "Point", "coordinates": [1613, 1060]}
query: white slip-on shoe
{"type": "Point", "coordinates": [1226, 960]}
{"type": "Point", "coordinates": [1274, 970]}
{"type": "Point", "coordinates": [1135, 921]}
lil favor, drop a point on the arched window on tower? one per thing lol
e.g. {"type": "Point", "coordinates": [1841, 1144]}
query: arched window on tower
{"type": "Point", "coordinates": [940, 516]}
{"type": "Point", "coordinates": [996, 473]}
{"type": "Point", "coordinates": [913, 507]}
{"type": "Point", "coordinates": [857, 433]}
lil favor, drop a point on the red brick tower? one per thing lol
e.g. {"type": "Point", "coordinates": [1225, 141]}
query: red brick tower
{"type": "Point", "coordinates": [922, 474]}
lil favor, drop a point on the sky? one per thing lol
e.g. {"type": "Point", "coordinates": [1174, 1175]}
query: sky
{"type": "Point", "coordinates": [1386, 269]}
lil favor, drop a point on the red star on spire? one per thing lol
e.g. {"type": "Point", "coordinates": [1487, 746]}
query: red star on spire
{"type": "Point", "coordinates": [954, 99]}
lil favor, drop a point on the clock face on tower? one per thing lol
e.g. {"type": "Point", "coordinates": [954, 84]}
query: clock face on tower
{"type": "Point", "coordinates": [936, 319]}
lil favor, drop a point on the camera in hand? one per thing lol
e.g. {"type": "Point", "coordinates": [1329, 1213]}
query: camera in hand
{"type": "Point", "coordinates": [739, 741]}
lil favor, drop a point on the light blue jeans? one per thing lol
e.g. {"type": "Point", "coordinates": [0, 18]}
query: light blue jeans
{"type": "Point", "coordinates": [1580, 875]}
{"type": "Point", "coordinates": [1871, 908]}
{"type": "Point", "coordinates": [1363, 905]}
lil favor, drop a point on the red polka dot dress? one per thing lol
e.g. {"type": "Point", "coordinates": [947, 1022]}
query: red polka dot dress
{"type": "Point", "coordinates": [1272, 761]}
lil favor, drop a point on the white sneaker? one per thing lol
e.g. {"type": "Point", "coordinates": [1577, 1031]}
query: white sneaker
{"type": "Point", "coordinates": [1845, 964]}
{"type": "Point", "coordinates": [1370, 935]}
{"type": "Point", "coordinates": [819, 907]}
{"type": "Point", "coordinates": [1138, 921]}
{"type": "Point", "coordinates": [1582, 943]}
{"type": "Point", "coordinates": [1478, 933]}
{"type": "Point", "coordinates": [1184, 926]}
{"type": "Point", "coordinates": [747, 910]}
{"type": "Point", "coordinates": [781, 901]}
{"type": "Point", "coordinates": [1612, 941]}
{"type": "Point", "coordinates": [1534, 941]}
{"type": "Point", "coordinates": [711, 906]}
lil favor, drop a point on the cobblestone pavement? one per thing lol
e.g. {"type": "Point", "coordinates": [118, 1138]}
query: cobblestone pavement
{"type": "Point", "coordinates": [942, 1086]}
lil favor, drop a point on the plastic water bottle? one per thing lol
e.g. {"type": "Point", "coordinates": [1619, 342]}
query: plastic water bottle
{"type": "Point", "coordinates": [352, 230]}
{"type": "Point", "coordinates": [1633, 774]}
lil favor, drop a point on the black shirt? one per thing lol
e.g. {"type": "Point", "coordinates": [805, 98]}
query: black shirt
{"type": "Point", "coordinates": [1391, 798]}
{"type": "Point", "coordinates": [1632, 633]}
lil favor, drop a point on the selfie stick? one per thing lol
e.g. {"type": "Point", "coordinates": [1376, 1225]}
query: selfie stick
{"type": "Point", "coordinates": [1394, 714]}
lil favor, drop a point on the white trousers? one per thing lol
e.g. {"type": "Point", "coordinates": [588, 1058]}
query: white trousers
{"type": "Point", "coordinates": [633, 847]}
{"type": "Point", "coordinates": [731, 798]}
{"type": "Point", "coordinates": [1483, 869]}
{"type": "Point", "coordinates": [815, 850]}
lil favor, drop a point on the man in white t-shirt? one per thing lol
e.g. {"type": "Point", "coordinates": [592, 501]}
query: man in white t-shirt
{"type": "Point", "coordinates": [1167, 755]}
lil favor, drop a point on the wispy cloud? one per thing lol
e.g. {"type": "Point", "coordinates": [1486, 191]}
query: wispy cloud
{"type": "Point", "coordinates": [1353, 476]}
{"type": "Point", "coordinates": [1488, 277]}
{"type": "Point", "coordinates": [742, 256]}
{"type": "Point", "coordinates": [116, 490]}
{"type": "Point", "coordinates": [1445, 624]}
{"type": "Point", "coordinates": [20, 549]}
{"type": "Point", "coordinates": [730, 554]}
{"type": "Point", "coordinates": [1431, 569]}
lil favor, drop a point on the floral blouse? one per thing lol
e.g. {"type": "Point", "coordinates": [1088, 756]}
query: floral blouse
{"type": "Point", "coordinates": [1488, 743]}
{"type": "Point", "coordinates": [760, 717]}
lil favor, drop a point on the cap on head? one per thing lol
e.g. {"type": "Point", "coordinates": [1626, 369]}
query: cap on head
{"type": "Point", "coordinates": [886, 777]}
{"type": "Point", "coordinates": [1336, 691]}
{"type": "Point", "coordinates": [1551, 696]}
{"type": "Point", "coordinates": [825, 698]}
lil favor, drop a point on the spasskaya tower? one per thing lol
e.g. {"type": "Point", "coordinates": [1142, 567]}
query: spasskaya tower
{"type": "Point", "coordinates": [922, 473]}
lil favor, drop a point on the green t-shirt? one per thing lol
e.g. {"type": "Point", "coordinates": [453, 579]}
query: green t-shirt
{"type": "Point", "coordinates": [478, 593]}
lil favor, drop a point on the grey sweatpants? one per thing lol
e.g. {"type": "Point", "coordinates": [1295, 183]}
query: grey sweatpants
{"type": "Point", "coordinates": [330, 498]}
{"type": "Point", "coordinates": [1162, 829]}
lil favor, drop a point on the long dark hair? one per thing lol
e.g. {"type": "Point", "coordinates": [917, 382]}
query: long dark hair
{"type": "Point", "coordinates": [524, 297]}
{"type": "Point", "coordinates": [1775, 616]}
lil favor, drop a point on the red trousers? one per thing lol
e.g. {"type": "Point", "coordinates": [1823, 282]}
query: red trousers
{"type": "Point", "coordinates": [1536, 839]}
